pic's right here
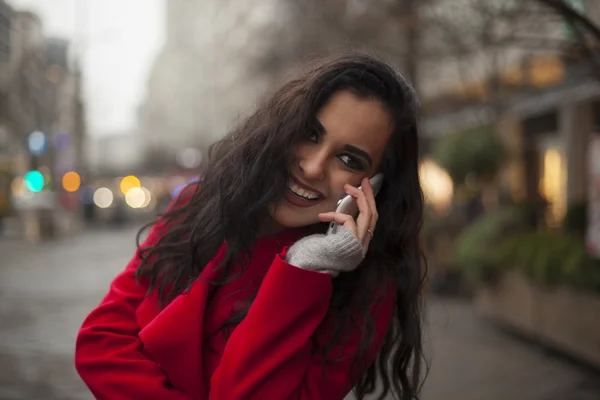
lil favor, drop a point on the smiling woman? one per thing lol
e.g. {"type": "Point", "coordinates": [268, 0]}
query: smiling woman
{"type": "Point", "coordinates": [347, 144]}
{"type": "Point", "coordinates": [239, 293]}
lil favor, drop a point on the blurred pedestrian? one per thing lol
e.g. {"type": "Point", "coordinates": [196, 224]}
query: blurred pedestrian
{"type": "Point", "coordinates": [239, 293]}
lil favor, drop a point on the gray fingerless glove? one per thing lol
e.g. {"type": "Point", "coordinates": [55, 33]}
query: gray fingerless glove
{"type": "Point", "coordinates": [333, 253]}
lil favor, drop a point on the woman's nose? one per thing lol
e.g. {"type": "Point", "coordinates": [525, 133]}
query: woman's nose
{"type": "Point", "coordinates": [313, 166]}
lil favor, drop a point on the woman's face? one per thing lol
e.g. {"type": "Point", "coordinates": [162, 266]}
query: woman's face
{"type": "Point", "coordinates": [348, 145]}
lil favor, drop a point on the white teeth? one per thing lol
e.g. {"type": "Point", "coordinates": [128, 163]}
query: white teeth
{"type": "Point", "coordinates": [297, 190]}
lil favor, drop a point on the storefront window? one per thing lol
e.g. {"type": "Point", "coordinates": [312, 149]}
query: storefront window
{"type": "Point", "coordinates": [553, 183]}
{"type": "Point", "coordinates": [437, 186]}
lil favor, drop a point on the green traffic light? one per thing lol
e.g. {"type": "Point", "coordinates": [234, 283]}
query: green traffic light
{"type": "Point", "coordinates": [34, 181]}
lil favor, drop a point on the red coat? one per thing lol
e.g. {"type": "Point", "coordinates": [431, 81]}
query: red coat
{"type": "Point", "coordinates": [128, 349]}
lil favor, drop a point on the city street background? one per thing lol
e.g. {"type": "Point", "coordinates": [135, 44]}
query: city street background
{"type": "Point", "coordinates": [108, 109]}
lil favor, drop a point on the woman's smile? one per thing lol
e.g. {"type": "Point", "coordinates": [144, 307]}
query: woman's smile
{"type": "Point", "coordinates": [303, 195]}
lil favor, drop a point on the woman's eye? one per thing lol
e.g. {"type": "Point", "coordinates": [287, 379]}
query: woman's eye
{"type": "Point", "coordinates": [313, 137]}
{"type": "Point", "coordinates": [352, 162]}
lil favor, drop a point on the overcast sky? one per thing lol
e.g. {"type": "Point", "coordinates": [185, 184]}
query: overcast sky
{"type": "Point", "coordinates": [122, 38]}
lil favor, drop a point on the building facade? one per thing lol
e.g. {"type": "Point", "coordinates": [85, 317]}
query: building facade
{"type": "Point", "coordinates": [548, 112]}
{"type": "Point", "coordinates": [42, 121]}
{"type": "Point", "coordinates": [203, 79]}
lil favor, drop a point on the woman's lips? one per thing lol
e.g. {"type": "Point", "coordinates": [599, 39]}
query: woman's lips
{"type": "Point", "coordinates": [306, 187]}
{"type": "Point", "coordinates": [300, 201]}
{"type": "Point", "coordinates": [303, 199]}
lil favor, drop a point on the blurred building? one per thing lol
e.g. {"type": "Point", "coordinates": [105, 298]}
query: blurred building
{"type": "Point", "coordinates": [465, 42]}
{"type": "Point", "coordinates": [203, 78]}
{"type": "Point", "coordinates": [542, 97]}
{"type": "Point", "coordinates": [21, 68]}
{"type": "Point", "coordinates": [114, 155]}
{"type": "Point", "coordinates": [41, 120]}
{"type": "Point", "coordinates": [68, 127]}
{"type": "Point", "coordinates": [6, 145]}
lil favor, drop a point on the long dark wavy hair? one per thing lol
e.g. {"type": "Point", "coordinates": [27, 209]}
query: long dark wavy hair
{"type": "Point", "coordinates": [249, 170]}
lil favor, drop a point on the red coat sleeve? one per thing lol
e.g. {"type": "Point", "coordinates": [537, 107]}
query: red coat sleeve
{"type": "Point", "coordinates": [270, 355]}
{"type": "Point", "coordinates": [108, 354]}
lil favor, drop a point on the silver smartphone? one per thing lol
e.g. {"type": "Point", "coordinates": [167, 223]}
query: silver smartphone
{"type": "Point", "coordinates": [348, 205]}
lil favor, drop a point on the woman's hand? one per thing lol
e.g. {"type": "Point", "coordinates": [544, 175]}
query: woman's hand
{"type": "Point", "coordinates": [364, 226]}
{"type": "Point", "coordinates": [343, 250]}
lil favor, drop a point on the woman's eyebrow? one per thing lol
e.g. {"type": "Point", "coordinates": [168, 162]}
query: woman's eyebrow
{"type": "Point", "coordinates": [359, 152]}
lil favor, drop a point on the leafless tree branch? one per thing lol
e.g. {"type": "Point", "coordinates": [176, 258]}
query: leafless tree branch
{"type": "Point", "coordinates": [572, 15]}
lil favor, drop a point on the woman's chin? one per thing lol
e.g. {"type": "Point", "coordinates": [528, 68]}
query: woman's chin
{"type": "Point", "coordinates": [288, 216]}
{"type": "Point", "coordinates": [291, 223]}
{"type": "Point", "coordinates": [288, 219]}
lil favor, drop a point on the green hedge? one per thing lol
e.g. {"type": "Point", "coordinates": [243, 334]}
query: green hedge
{"type": "Point", "coordinates": [475, 246]}
{"type": "Point", "coordinates": [478, 151]}
{"type": "Point", "coordinates": [502, 240]}
{"type": "Point", "coordinates": [551, 258]}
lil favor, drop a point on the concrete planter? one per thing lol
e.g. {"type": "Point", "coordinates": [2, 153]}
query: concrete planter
{"type": "Point", "coordinates": [560, 317]}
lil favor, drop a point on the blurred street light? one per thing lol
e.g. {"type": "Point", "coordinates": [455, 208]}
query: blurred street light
{"type": "Point", "coordinates": [189, 158]}
{"type": "Point", "coordinates": [147, 198]}
{"type": "Point", "coordinates": [37, 143]}
{"type": "Point", "coordinates": [103, 197]}
{"type": "Point", "coordinates": [437, 185]}
{"type": "Point", "coordinates": [71, 181]}
{"type": "Point", "coordinates": [135, 197]}
{"type": "Point", "coordinates": [177, 190]}
{"type": "Point", "coordinates": [128, 183]}
{"type": "Point", "coordinates": [34, 181]}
